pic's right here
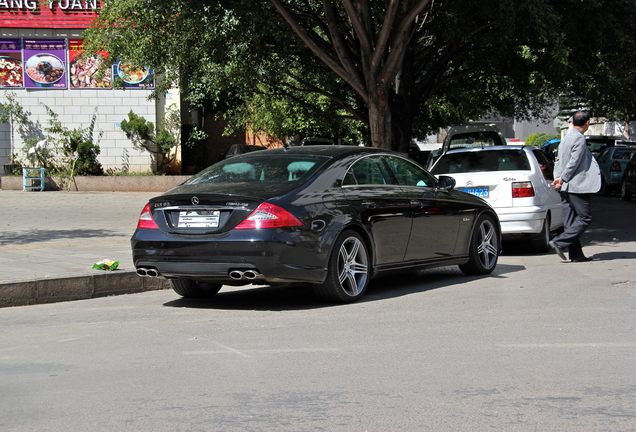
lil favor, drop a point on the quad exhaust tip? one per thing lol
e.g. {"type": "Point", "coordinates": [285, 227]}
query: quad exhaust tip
{"type": "Point", "coordinates": [236, 274]}
{"type": "Point", "coordinates": [250, 274]}
{"type": "Point", "coordinates": [147, 272]}
{"type": "Point", "coordinates": [233, 274]}
{"type": "Point", "coordinates": [244, 274]}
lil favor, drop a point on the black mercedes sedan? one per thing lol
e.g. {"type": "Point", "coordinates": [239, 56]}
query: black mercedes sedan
{"type": "Point", "coordinates": [330, 216]}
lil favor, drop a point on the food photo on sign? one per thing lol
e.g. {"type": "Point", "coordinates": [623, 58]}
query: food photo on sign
{"type": "Point", "coordinates": [45, 63]}
{"type": "Point", "coordinates": [129, 76]}
{"type": "Point", "coordinates": [11, 63]}
{"type": "Point", "coordinates": [86, 71]}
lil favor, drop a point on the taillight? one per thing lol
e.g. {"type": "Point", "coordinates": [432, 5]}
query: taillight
{"type": "Point", "coordinates": [522, 190]}
{"type": "Point", "coordinates": [269, 215]}
{"type": "Point", "coordinates": [616, 167]}
{"type": "Point", "coordinates": [145, 219]}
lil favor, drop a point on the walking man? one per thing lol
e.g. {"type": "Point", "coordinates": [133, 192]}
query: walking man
{"type": "Point", "coordinates": [577, 177]}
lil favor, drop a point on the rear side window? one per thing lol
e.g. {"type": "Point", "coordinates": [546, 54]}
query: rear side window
{"type": "Point", "coordinates": [544, 164]}
{"type": "Point", "coordinates": [479, 161]}
{"type": "Point", "coordinates": [408, 174]}
{"type": "Point", "coordinates": [367, 171]}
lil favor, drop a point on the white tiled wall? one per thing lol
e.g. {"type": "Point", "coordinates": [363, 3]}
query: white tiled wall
{"type": "Point", "coordinates": [75, 108]}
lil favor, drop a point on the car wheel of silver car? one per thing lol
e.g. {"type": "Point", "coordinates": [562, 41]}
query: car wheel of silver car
{"type": "Point", "coordinates": [194, 289]}
{"type": "Point", "coordinates": [626, 195]}
{"type": "Point", "coordinates": [541, 242]}
{"type": "Point", "coordinates": [348, 269]}
{"type": "Point", "coordinates": [483, 248]}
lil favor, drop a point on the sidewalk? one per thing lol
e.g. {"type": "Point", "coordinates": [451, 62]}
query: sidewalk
{"type": "Point", "coordinates": [49, 241]}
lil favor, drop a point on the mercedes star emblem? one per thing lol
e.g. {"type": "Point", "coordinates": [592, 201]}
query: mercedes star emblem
{"type": "Point", "coordinates": [195, 200]}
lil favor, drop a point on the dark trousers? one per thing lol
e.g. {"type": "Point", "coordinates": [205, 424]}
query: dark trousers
{"type": "Point", "coordinates": [577, 216]}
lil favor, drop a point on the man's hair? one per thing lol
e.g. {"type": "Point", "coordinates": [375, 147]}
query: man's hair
{"type": "Point", "coordinates": [580, 118]}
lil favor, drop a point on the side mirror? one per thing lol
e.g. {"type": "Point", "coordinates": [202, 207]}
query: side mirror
{"type": "Point", "coordinates": [446, 183]}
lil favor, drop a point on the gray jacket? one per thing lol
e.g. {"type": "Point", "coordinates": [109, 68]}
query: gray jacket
{"type": "Point", "coordinates": [576, 166]}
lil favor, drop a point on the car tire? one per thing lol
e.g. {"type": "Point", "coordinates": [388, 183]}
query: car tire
{"type": "Point", "coordinates": [541, 242]}
{"type": "Point", "coordinates": [626, 195]}
{"type": "Point", "coordinates": [605, 190]}
{"type": "Point", "coordinates": [484, 247]}
{"type": "Point", "coordinates": [348, 270]}
{"type": "Point", "coordinates": [189, 288]}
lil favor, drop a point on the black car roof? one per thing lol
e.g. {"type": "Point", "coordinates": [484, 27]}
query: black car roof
{"type": "Point", "coordinates": [327, 150]}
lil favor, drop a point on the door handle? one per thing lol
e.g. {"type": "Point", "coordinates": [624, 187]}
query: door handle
{"type": "Point", "coordinates": [416, 203]}
{"type": "Point", "coordinates": [369, 204]}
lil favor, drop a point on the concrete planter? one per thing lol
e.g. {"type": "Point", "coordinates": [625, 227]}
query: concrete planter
{"type": "Point", "coordinates": [102, 183]}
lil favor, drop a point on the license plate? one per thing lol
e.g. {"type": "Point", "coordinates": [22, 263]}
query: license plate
{"type": "Point", "coordinates": [481, 192]}
{"type": "Point", "coordinates": [199, 219]}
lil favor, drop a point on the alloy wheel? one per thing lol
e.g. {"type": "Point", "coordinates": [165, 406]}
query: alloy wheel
{"type": "Point", "coordinates": [353, 269]}
{"type": "Point", "coordinates": [487, 248]}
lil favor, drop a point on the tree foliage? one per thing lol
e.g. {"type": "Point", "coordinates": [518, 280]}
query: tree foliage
{"type": "Point", "coordinates": [602, 50]}
{"type": "Point", "coordinates": [380, 70]}
{"type": "Point", "coordinates": [232, 59]}
{"type": "Point", "coordinates": [434, 63]}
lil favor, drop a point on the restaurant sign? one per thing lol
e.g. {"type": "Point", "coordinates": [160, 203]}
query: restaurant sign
{"type": "Point", "coordinates": [48, 13]}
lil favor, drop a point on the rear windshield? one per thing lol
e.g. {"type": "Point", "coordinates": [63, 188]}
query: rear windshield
{"type": "Point", "coordinates": [598, 145]}
{"type": "Point", "coordinates": [476, 161]}
{"type": "Point", "coordinates": [474, 139]}
{"type": "Point", "coordinates": [261, 169]}
{"type": "Point", "coordinates": [623, 154]}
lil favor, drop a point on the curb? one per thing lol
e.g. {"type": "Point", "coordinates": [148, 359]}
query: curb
{"type": "Point", "coordinates": [76, 288]}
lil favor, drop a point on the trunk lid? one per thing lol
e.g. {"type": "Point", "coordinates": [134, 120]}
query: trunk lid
{"type": "Point", "coordinates": [206, 208]}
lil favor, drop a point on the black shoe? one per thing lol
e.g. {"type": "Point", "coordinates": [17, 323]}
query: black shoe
{"type": "Point", "coordinates": [581, 259]}
{"type": "Point", "coordinates": [558, 251]}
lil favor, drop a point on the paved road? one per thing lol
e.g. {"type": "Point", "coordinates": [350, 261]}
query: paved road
{"type": "Point", "coordinates": [538, 346]}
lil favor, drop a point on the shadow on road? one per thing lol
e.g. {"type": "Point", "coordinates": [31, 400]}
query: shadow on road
{"type": "Point", "coordinates": [35, 236]}
{"type": "Point", "coordinates": [610, 256]}
{"type": "Point", "coordinates": [612, 223]}
{"type": "Point", "coordinates": [301, 297]}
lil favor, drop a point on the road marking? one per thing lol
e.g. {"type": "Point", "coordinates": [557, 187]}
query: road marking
{"type": "Point", "coordinates": [574, 345]}
{"type": "Point", "coordinates": [228, 350]}
{"type": "Point", "coordinates": [232, 350]}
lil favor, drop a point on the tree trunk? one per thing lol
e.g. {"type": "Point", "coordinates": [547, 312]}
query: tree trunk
{"type": "Point", "coordinates": [404, 104]}
{"type": "Point", "coordinates": [380, 120]}
{"type": "Point", "coordinates": [402, 129]}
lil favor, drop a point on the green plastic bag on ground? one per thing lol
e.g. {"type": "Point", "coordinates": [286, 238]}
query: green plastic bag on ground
{"type": "Point", "coordinates": [106, 264]}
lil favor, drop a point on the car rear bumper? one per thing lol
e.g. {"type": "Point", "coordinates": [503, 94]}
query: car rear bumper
{"type": "Point", "coordinates": [277, 258]}
{"type": "Point", "coordinates": [521, 220]}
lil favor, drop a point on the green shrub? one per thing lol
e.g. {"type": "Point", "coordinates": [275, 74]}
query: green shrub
{"type": "Point", "coordinates": [78, 149]}
{"type": "Point", "coordinates": [537, 139]}
{"type": "Point", "coordinates": [141, 133]}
